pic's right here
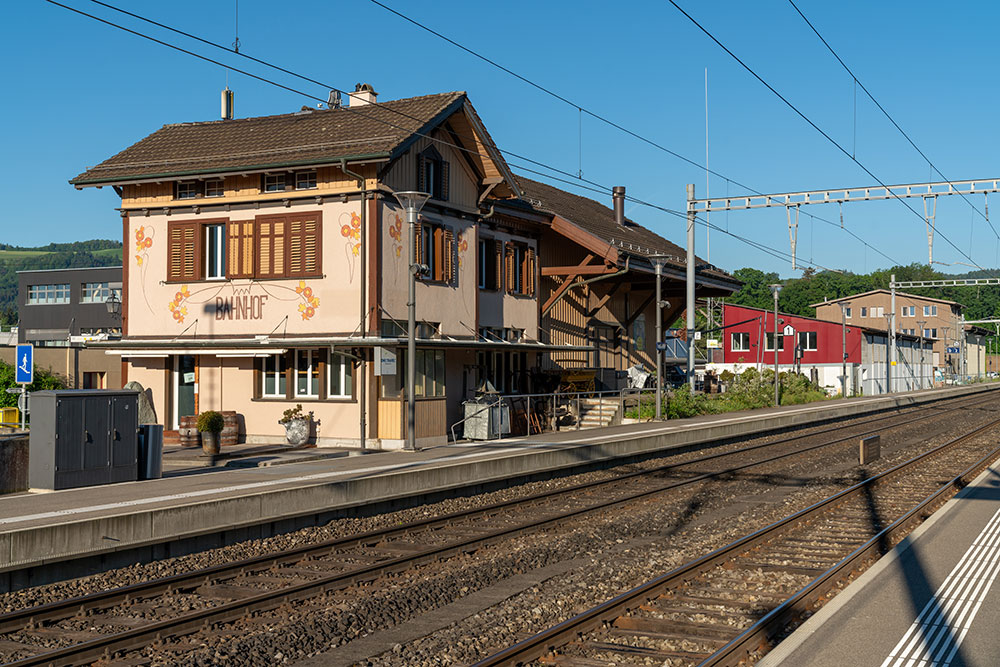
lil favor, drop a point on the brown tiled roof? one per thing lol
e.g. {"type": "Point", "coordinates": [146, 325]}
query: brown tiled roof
{"type": "Point", "coordinates": [599, 220]}
{"type": "Point", "coordinates": [306, 137]}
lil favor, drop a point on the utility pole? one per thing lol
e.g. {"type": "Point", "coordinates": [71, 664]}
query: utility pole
{"type": "Point", "coordinates": [923, 343]}
{"type": "Point", "coordinates": [690, 285]}
{"type": "Point", "coordinates": [892, 330]}
{"type": "Point", "coordinates": [844, 305]}
{"type": "Point", "coordinates": [961, 348]}
{"type": "Point", "coordinates": [775, 289]}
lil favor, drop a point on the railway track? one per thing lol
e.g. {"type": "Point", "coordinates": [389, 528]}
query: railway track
{"type": "Point", "coordinates": [735, 603]}
{"type": "Point", "coordinates": [83, 629]}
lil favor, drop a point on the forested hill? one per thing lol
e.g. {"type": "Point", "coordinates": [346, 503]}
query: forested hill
{"type": "Point", "coordinates": [97, 252]}
{"type": "Point", "coordinates": [798, 293]}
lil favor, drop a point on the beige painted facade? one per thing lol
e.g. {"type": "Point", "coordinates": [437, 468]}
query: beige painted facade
{"type": "Point", "coordinates": [870, 310]}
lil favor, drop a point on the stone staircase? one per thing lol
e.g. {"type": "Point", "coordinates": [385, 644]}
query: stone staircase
{"type": "Point", "coordinates": [598, 412]}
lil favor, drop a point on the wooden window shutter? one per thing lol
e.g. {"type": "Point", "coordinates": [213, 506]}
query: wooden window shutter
{"type": "Point", "coordinates": [421, 174]}
{"type": "Point", "coordinates": [529, 272]}
{"type": "Point", "coordinates": [450, 257]}
{"type": "Point", "coordinates": [497, 254]}
{"type": "Point", "coordinates": [439, 270]}
{"type": "Point", "coordinates": [271, 247]}
{"type": "Point", "coordinates": [444, 180]}
{"type": "Point", "coordinates": [418, 247]}
{"type": "Point", "coordinates": [508, 265]}
{"type": "Point", "coordinates": [240, 249]}
{"type": "Point", "coordinates": [304, 247]}
{"type": "Point", "coordinates": [183, 257]}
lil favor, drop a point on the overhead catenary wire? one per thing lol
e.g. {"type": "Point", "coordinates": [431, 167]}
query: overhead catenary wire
{"type": "Point", "coordinates": [607, 120]}
{"type": "Point", "coordinates": [892, 120]}
{"type": "Point", "coordinates": [816, 127]}
{"type": "Point", "coordinates": [591, 185]}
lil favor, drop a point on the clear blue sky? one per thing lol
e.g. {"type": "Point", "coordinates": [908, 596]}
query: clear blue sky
{"type": "Point", "coordinates": [77, 92]}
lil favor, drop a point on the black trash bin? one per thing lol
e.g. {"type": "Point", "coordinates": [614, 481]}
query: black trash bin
{"type": "Point", "coordinates": [150, 451]}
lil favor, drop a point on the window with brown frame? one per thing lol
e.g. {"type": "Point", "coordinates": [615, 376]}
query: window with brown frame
{"type": "Point", "coordinates": [489, 264]}
{"type": "Point", "coordinates": [432, 174]}
{"type": "Point", "coordinates": [437, 250]}
{"type": "Point", "coordinates": [519, 269]}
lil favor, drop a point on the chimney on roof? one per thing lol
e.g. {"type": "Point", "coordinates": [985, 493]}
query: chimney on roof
{"type": "Point", "coordinates": [363, 94]}
{"type": "Point", "coordinates": [618, 196]}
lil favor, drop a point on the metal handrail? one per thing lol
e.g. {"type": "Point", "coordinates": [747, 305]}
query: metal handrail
{"type": "Point", "coordinates": [467, 417]}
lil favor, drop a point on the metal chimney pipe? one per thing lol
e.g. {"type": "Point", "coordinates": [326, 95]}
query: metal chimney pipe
{"type": "Point", "coordinates": [618, 196]}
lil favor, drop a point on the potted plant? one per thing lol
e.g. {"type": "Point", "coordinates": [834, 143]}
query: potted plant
{"type": "Point", "coordinates": [297, 425]}
{"type": "Point", "coordinates": [210, 424]}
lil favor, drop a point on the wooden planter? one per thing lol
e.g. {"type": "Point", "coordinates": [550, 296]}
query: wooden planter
{"type": "Point", "coordinates": [188, 431]}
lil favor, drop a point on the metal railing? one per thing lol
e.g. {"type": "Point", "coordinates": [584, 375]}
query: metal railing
{"type": "Point", "coordinates": [551, 411]}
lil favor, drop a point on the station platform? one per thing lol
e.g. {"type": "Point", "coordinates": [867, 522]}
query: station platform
{"type": "Point", "coordinates": [195, 507]}
{"type": "Point", "coordinates": [931, 601]}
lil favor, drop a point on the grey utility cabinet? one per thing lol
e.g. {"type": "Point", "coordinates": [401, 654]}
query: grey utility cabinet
{"type": "Point", "coordinates": [82, 438]}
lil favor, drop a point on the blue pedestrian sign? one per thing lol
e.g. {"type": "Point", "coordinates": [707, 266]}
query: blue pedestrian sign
{"type": "Point", "coordinates": [952, 350]}
{"type": "Point", "coordinates": [24, 361]}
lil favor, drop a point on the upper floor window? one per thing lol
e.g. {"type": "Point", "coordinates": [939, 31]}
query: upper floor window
{"type": "Point", "coordinates": [272, 246]}
{"type": "Point", "coordinates": [807, 340]}
{"type": "Point", "coordinates": [437, 250]}
{"type": "Point", "coordinates": [98, 293]}
{"type": "Point", "coordinates": [930, 333]}
{"type": "Point", "coordinates": [433, 174]}
{"type": "Point", "coordinates": [908, 311]}
{"type": "Point", "coordinates": [215, 188]}
{"type": "Point", "coordinates": [274, 183]}
{"type": "Point", "coordinates": [847, 312]}
{"type": "Point", "coordinates": [864, 311]}
{"type": "Point", "coordinates": [39, 294]}
{"type": "Point", "coordinates": [215, 252]}
{"type": "Point", "coordinates": [305, 180]}
{"type": "Point", "coordinates": [187, 190]}
{"type": "Point", "coordinates": [740, 341]}
{"type": "Point", "coordinates": [519, 269]}
{"type": "Point", "coordinates": [930, 310]}
{"type": "Point", "coordinates": [489, 264]}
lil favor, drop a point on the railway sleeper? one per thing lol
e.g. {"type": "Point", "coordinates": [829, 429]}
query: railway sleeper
{"type": "Point", "coordinates": [763, 566]}
{"type": "Point", "coordinates": [660, 607]}
{"type": "Point", "coordinates": [716, 602]}
{"type": "Point", "coordinates": [660, 627]}
{"type": "Point", "coordinates": [641, 651]}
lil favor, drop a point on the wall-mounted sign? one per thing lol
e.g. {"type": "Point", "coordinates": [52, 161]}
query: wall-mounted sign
{"type": "Point", "coordinates": [385, 361]}
{"type": "Point", "coordinates": [713, 344]}
{"type": "Point", "coordinates": [788, 330]}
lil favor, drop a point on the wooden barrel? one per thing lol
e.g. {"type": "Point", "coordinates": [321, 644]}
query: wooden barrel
{"type": "Point", "coordinates": [188, 432]}
{"type": "Point", "coordinates": [231, 430]}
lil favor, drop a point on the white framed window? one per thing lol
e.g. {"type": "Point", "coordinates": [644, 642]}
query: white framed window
{"type": "Point", "coordinates": [40, 294]}
{"type": "Point", "coordinates": [864, 311]}
{"type": "Point", "coordinates": [878, 311]}
{"type": "Point", "coordinates": [908, 311]}
{"type": "Point", "coordinates": [340, 371]}
{"type": "Point", "coordinates": [187, 190]}
{"type": "Point", "coordinates": [215, 188]}
{"type": "Point", "coordinates": [273, 382]}
{"type": "Point", "coordinates": [807, 340]}
{"type": "Point", "coordinates": [307, 373]}
{"type": "Point", "coordinates": [274, 183]}
{"type": "Point", "coordinates": [95, 293]}
{"type": "Point", "coordinates": [930, 333]}
{"type": "Point", "coordinates": [930, 310]}
{"type": "Point", "coordinates": [305, 180]}
{"type": "Point", "coordinates": [769, 342]}
{"type": "Point", "coordinates": [739, 341]}
{"type": "Point", "coordinates": [847, 312]}
{"type": "Point", "coordinates": [215, 252]}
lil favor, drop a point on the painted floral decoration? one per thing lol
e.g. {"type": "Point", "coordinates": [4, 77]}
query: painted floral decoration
{"type": "Point", "coordinates": [310, 302]}
{"type": "Point", "coordinates": [177, 306]}
{"type": "Point", "coordinates": [143, 242]}
{"type": "Point", "coordinates": [351, 232]}
{"type": "Point", "coordinates": [463, 245]}
{"type": "Point", "coordinates": [396, 234]}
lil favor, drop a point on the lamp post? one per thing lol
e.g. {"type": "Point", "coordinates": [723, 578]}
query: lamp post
{"type": "Point", "coordinates": [844, 305]}
{"type": "Point", "coordinates": [412, 202]}
{"type": "Point", "coordinates": [775, 289]}
{"type": "Point", "coordinates": [923, 342]}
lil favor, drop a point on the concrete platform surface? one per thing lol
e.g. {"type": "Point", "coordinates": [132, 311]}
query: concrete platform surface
{"type": "Point", "coordinates": [932, 601]}
{"type": "Point", "coordinates": [45, 528]}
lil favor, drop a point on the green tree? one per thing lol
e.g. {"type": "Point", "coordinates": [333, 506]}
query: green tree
{"type": "Point", "coordinates": [44, 379]}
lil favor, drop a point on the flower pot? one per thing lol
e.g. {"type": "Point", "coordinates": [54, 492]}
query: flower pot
{"type": "Point", "coordinates": [297, 431]}
{"type": "Point", "coordinates": [210, 443]}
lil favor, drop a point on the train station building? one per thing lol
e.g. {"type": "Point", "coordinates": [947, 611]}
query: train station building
{"type": "Point", "coordinates": [266, 265]}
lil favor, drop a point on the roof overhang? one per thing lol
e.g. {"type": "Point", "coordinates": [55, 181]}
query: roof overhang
{"type": "Point", "coordinates": [245, 347]}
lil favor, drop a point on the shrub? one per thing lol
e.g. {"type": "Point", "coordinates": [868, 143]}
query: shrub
{"type": "Point", "coordinates": [295, 413]}
{"type": "Point", "coordinates": [211, 421]}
